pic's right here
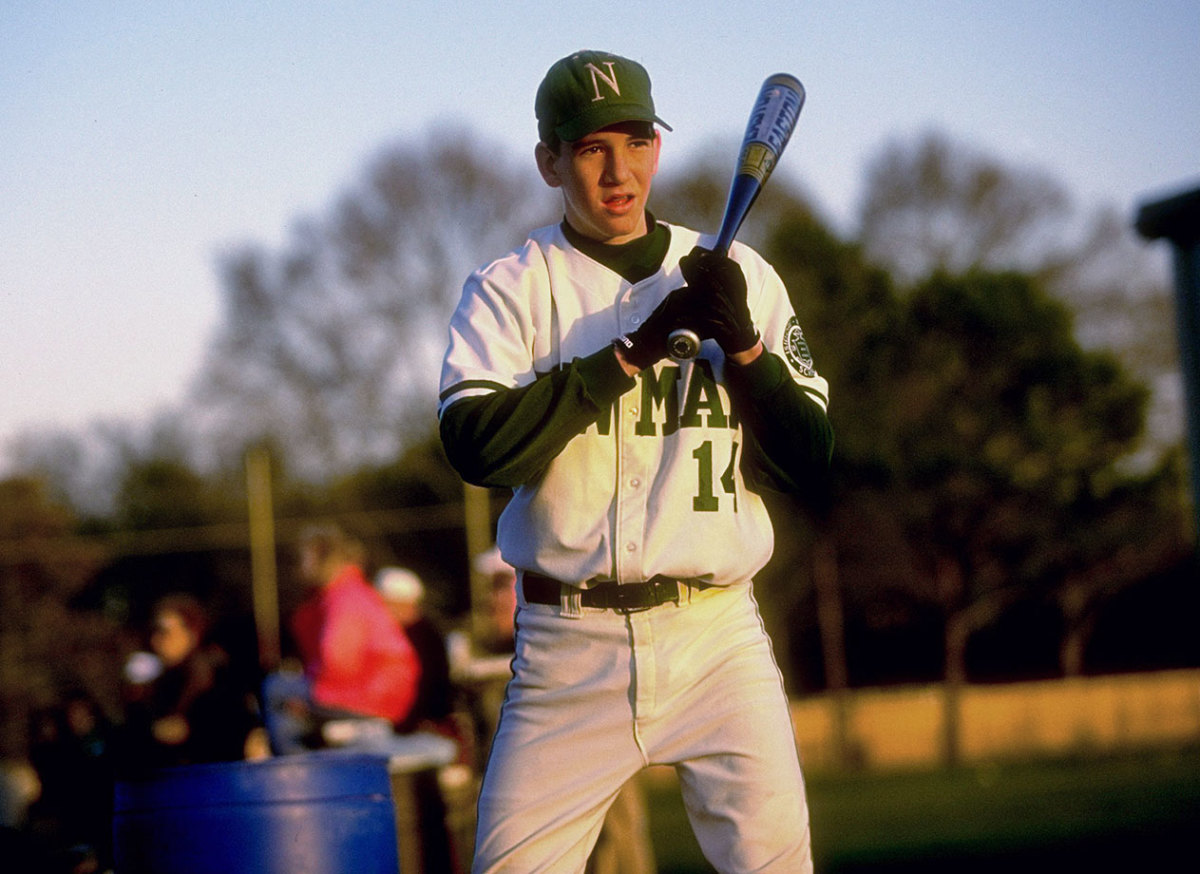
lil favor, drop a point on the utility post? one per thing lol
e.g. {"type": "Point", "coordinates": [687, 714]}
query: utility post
{"type": "Point", "coordinates": [264, 582]}
{"type": "Point", "coordinates": [478, 525]}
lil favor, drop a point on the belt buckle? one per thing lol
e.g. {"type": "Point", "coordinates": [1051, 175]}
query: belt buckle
{"type": "Point", "coordinates": [635, 598]}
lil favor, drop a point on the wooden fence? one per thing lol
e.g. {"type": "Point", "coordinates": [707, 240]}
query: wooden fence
{"type": "Point", "coordinates": [904, 727]}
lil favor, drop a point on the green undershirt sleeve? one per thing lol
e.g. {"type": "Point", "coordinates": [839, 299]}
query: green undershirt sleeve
{"type": "Point", "coordinates": [789, 437]}
{"type": "Point", "coordinates": [507, 437]}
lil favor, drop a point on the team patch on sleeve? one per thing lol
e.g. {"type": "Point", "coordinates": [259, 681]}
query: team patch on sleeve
{"type": "Point", "coordinates": [796, 348]}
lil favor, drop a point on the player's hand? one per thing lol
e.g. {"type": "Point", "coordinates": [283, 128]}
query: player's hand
{"type": "Point", "coordinates": [719, 298]}
{"type": "Point", "coordinates": [648, 344]}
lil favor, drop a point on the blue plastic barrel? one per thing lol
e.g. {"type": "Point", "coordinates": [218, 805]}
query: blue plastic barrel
{"type": "Point", "coordinates": [325, 812]}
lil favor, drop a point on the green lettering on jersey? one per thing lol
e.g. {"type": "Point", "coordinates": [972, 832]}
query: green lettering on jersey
{"type": "Point", "coordinates": [658, 390]}
{"type": "Point", "coordinates": [703, 395]}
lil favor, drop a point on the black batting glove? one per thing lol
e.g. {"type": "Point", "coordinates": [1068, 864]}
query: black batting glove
{"type": "Point", "coordinates": [648, 344]}
{"type": "Point", "coordinates": [720, 308]}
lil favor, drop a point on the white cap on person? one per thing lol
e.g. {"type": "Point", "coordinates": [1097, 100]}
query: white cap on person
{"type": "Point", "coordinates": [399, 584]}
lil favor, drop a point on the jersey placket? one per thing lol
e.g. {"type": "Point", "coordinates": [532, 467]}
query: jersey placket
{"type": "Point", "coordinates": [634, 454]}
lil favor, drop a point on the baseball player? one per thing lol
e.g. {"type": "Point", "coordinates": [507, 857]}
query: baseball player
{"type": "Point", "coordinates": [635, 522]}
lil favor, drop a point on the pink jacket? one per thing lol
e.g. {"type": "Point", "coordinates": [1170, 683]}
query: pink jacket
{"type": "Point", "coordinates": [355, 654]}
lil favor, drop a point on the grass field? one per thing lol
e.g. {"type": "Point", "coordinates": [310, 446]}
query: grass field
{"type": "Point", "coordinates": [1126, 812]}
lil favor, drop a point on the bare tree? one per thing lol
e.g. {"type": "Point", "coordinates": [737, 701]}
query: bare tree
{"type": "Point", "coordinates": [936, 205]}
{"type": "Point", "coordinates": [1118, 288]}
{"type": "Point", "coordinates": [331, 346]}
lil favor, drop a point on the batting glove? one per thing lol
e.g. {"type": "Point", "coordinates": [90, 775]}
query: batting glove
{"type": "Point", "coordinates": [719, 288]}
{"type": "Point", "coordinates": [648, 344]}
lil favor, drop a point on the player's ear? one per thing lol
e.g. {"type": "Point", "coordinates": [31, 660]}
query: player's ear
{"type": "Point", "coordinates": [546, 160]}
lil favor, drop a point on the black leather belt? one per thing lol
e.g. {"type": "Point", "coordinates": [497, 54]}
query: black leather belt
{"type": "Point", "coordinates": [621, 597]}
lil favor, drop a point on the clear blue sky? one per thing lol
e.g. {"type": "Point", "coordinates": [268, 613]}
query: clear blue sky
{"type": "Point", "coordinates": [137, 139]}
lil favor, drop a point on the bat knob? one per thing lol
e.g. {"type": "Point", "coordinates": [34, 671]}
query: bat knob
{"type": "Point", "coordinates": [683, 344]}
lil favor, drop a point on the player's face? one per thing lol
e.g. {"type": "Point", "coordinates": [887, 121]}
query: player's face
{"type": "Point", "coordinates": [605, 180]}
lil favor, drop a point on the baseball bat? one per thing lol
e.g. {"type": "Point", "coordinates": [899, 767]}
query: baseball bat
{"type": "Point", "coordinates": [772, 121]}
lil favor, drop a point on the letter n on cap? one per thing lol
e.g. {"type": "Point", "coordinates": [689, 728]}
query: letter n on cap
{"type": "Point", "coordinates": [610, 79]}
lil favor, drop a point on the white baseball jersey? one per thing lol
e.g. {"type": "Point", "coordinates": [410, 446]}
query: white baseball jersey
{"type": "Point", "coordinates": [655, 486]}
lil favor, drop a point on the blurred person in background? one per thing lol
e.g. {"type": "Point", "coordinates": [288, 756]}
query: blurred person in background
{"type": "Point", "coordinates": [192, 710]}
{"type": "Point", "coordinates": [360, 673]}
{"type": "Point", "coordinates": [404, 594]}
{"type": "Point", "coordinates": [436, 710]}
{"type": "Point", "coordinates": [481, 658]}
{"type": "Point", "coordinates": [72, 753]}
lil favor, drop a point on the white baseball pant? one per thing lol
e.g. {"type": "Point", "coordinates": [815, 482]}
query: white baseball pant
{"type": "Point", "coordinates": [600, 695]}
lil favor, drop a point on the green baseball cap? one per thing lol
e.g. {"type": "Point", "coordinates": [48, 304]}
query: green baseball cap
{"type": "Point", "coordinates": [590, 90]}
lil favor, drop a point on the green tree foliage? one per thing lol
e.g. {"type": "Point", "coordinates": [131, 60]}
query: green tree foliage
{"type": "Point", "coordinates": [1003, 430]}
{"type": "Point", "coordinates": [849, 313]}
{"type": "Point", "coordinates": [161, 493]}
{"type": "Point", "coordinates": [47, 649]}
{"type": "Point", "coordinates": [980, 448]}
